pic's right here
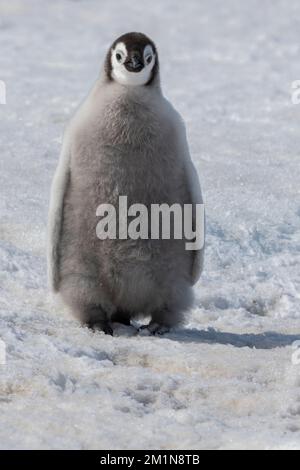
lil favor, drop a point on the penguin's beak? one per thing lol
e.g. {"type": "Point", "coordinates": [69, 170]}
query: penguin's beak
{"type": "Point", "coordinates": [134, 63]}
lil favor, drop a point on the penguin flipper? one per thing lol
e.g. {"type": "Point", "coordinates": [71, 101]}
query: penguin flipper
{"type": "Point", "coordinates": [195, 192]}
{"type": "Point", "coordinates": [55, 218]}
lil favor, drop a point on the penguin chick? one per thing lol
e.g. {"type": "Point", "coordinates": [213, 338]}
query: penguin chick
{"type": "Point", "coordinates": [125, 139]}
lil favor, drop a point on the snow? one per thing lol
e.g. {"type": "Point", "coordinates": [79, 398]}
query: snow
{"type": "Point", "coordinates": [227, 380]}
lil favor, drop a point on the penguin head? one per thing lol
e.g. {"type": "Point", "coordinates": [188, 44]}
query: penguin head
{"type": "Point", "coordinates": [132, 60]}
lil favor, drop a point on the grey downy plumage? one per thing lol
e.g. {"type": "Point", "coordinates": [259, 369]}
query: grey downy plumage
{"type": "Point", "coordinates": [125, 139]}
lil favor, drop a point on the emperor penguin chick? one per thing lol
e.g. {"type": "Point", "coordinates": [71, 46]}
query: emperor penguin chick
{"type": "Point", "coordinates": [126, 139]}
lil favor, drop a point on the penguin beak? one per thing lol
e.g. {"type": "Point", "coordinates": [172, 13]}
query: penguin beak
{"type": "Point", "coordinates": [134, 63]}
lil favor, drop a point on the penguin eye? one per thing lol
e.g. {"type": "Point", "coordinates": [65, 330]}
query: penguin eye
{"type": "Point", "coordinates": [149, 59]}
{"type": "Point", "coordinates": [119, 57]}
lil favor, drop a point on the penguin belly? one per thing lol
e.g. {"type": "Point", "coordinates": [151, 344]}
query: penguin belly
{"type": "Point", "coordinates": [139, 276]}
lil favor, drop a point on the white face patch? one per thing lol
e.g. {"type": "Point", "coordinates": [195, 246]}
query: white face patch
{"type": "Point", "coordinates": [123, 76]}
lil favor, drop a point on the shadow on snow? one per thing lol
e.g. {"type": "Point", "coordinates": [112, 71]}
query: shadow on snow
{"type": "Point", "coordinates": [267, 340]}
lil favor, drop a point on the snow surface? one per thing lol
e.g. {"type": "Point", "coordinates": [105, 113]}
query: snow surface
{"type": "Point", "coordinates": [227, 379]}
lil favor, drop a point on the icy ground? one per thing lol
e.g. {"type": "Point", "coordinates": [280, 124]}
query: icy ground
{"type": "Point", "coordinates": [227, 380]}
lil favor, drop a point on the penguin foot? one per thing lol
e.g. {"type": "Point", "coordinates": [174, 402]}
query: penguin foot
{"type": "Point", "coordinates": [100, 326]}
{"type": "Point", "coordinates": [108, 330]}
{"type": "Point", "coordinates": [154, 329]}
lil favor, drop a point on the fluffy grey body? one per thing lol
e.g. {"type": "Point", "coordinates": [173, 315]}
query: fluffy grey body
{"type": "Point", "coordinates": [122, 141]}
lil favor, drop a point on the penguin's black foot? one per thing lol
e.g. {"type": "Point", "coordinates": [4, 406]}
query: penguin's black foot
{"type": "Point", "coordinates": [95, 317]}
{"type": "Point", "coordinates": [108, 330]}
{"type": "Point", "coordinates": [100, 326]}
{"type": "Point", "coordinates": [154, 329]}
